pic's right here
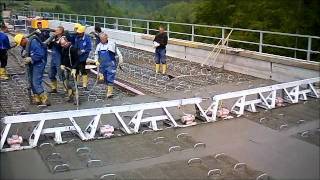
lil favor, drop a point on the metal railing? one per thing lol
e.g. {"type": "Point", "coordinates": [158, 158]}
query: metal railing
{"type": "Point", "coordinates": [262, 43]}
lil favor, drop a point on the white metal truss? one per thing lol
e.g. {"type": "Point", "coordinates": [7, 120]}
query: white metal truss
{"type": "Point", "coordinates": [90, 131]}
{"type": "Point", "coordinates": [265, 97]}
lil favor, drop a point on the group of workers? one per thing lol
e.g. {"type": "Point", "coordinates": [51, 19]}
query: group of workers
{"type": "Point", "coordinates": [69, 57]}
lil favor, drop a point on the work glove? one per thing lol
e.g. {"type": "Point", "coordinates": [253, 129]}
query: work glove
{"type": "Point", "coordinates": [27, 60]}
{"type": "Point", "coordinates": [97, 63]}
{"type": "Point", "coordinates": [38, 31]}
{"type": "Point", "coordinates": [63, 67]}
{"type": "Point", "coordinates": [73, 73]}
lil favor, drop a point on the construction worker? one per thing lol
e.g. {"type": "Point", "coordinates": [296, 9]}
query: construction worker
{"type": "Point", "coordinates": [69, 64]}
{"type": "Point", "coordinates": [105, 57]}
{"type": "Point", "coordinates": [35, 56]}
{"type": "Point", "coordinates": [160, 42]}
{"type": "Point", "coordinates": [55, 59]}
{"type": "Point", "coordinates": [4, 47]}
{"type": "Point", "coordinates": [72, 35]}
{"type": "Point", "coordinates": [84, 46]}
{"type": "Point", "coordinates": [96, 33]}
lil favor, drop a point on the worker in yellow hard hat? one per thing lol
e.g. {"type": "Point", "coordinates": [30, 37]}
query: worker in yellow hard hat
{"type": "Point", "coordinates": [35, 58]}
{"type": "Point", "coordinates": [84, 46]}
{"type": "Point", "coordinates": [72, 35]}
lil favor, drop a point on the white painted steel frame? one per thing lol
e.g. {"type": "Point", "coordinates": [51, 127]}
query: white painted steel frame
{"type": "Point", "coordinates": [90, 131]}
{"type": "Point", "coordinates": [266, 96]}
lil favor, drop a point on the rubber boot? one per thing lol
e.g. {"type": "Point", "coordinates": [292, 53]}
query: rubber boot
{"type": "Point", "coordinates": [44, 99]}
{"type": "Point", "coordinates": [78, 79]}
{"type": "Point", "coordinates": [157, 68]}
{"type": "Point", "coordinates": [3, 74]}
{"type": "Point", "coordinates": [70, 95]}
{"type": "Point", "coordinates": [54, 86]}
{"type": "Point", "coordinates": [85, 81]}
{"type": "Point", "coordinates": [65, 82]}
{"type": "Point", "coordinates": [36, 99]}
{"type": "Point", "coordinates": [101, 78]}
{"type": "Point", "coordinates": [164, 68]}
{"type": "Point", "coordinates": [109, 91]}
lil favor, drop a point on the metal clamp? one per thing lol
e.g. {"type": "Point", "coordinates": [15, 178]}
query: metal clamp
{"type": "Point", "coordinates": [218, 155]}
{"type": "Point", "coordinates": [264, 175]}
{"type": "Point", "coordinates": [214, 172]}
{"type": "Point", "coordinates": [44, 144]}
{"type": "Point", "coordinates": [199, 145]}
{"type": "Point", "coordinates": [108, 175]}
{"type": "Point", "coordinates": [61, 168]}
{"type": "Point", "coordinates": [53, 156]}
{"type": "Point", "coordinates": [158, 139]}
{"type": "Point", "coordinates": [175, 148]}
{"type": "Point", "coordinates": [92, 163]}
{"type": "Point", "coordinates": [193, 160]}
{"type": "Point", "coordinates": [83, 150]}
{"type": "Point", "coordinates": [181, 134]}
{"type": "Point", "coordinates": [145, 131]}
{"type": "Point", "coordinates": [305, 134]}
{"type": "Point", "coordinates": [238, 165]}
{"type": "Point", "coordinates": [283, 126]}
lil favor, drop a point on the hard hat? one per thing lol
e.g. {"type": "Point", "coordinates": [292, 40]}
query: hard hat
{"type": "Point", "coordinates": [77, 25]}
{"type": "Point", "coordinates": [18, 38]}
{"type": "Point", "coordinates": [81, 29]}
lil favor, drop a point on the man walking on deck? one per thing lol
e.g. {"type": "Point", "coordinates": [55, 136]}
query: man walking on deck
{"type": "Point", "coordinates": [160, 42]}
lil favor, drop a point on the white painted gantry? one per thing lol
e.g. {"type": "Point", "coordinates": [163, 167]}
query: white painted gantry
{"type": "Point", "coordinates": [264, 97]}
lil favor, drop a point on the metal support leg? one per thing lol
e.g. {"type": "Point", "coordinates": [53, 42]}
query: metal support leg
{"type": "Point", "coordinates": [34, 137]}
{"type": "Point", "coordinates": [78, 129]}
{"type": "Point", "coordinates": [239, 104]}
{"type": "Point", "coordinates": [170, 117]}
{"type": "Point", "coordinates": [4, 135]}
{"type": "Point", "coordinates": [91, 129]}
{"type": "Point", "coordinates": [122, 123]}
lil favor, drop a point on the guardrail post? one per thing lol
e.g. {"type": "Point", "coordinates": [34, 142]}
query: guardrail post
{"type": "Point", "coordinates": [192, 32]}
{"type": "Point", "coordinates": [130, 25]}
{"type": "Point", "coordinates": [85, 20]}
{"type": "Point", "coordinates": [58, 17]}
{"type": "Point", "coordinates": [94, 20]}
{"type": "Point", "coordinates": [63, 17]}
{"type": "Point", "coordinates": [261, 42]}
{"type": "Point", "coordinates": [148, 27]}
{"type": "Point", "coordinates": [104, 22]}
{"type": "Point", "coordinates": [222, 34]}
{"type": "Point", "coordinates": [77, 19]}
{"type": "Point", "coordinates": [117, 23]}
{"type": "Point", "coordinates": [168, 30]}
{"type": "Point", "coordinates": [309, 48]}
{"type": "Point", "coordinates": [70, 20]}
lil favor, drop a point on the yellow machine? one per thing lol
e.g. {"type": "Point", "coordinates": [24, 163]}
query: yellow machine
{"type": "Point", "coordinates": [39, 24]}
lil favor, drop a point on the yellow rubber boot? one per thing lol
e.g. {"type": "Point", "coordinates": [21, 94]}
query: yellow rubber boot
{"type": "Point", "coordinates": [3, 74]}
{"type": "Point", "coordinates": [36, 99]}
{"type": "Point", "coordinates": [70, 95]}
{"type": "Point", "coordinates": [54, 86]}
{"type": "Point", "coordinates": [78, 79]}
{"type": "Point", "coordinates": [101, 78]}
{"type": "Point", "coordinates": [109, 91]}
{"type": "Point", "coordinates": [44, 99]}
{"type": "Point", "coordinates": [157, 68]}
{"type": "Point", "coordinates": [164, 68]}
{"type": "Point", "coordinates": [85, 81]}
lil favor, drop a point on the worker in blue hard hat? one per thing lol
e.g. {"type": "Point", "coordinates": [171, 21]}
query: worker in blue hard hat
{"type": "Point", "coordinates": [84, 46]}
{"type": "Point", "coordinates": [4, 47]}
{"type": "Point", "coordinates": [105, 57]}
{"type": "Point", "coordinates": [35, 57]}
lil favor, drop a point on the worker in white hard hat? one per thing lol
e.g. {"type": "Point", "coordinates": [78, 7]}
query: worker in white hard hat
{"type": "Point", "coordinates": [84, 46]}
{"type": "Point", "coordinates": [35, 57]}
